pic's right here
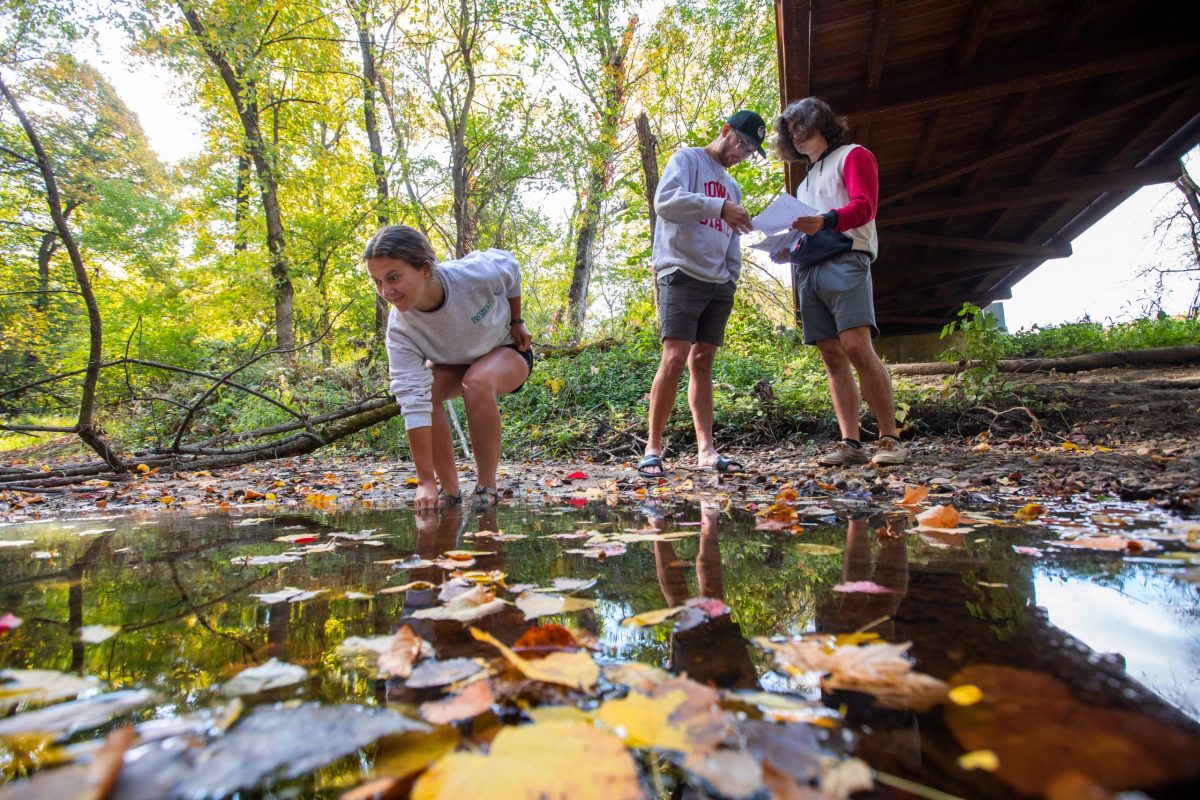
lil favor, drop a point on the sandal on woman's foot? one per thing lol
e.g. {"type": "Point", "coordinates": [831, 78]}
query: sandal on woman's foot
{"type": "Point", "coordinates": [447, 500]}
{"type": "Point", "coordinates": [651, 466]}
{"type": "Point", "coordinates": [485, 496]}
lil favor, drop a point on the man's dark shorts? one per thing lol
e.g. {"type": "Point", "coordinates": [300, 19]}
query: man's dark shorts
{"type": "Point", "coordinates": [836, 295]}
{"type": "Point", "coordinates": [692, 309]}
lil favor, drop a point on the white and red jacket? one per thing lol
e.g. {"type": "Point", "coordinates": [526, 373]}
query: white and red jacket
{"type": "Point", "coordinates": [845, 180]}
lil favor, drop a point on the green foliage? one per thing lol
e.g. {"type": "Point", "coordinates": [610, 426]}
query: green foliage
{"type": "Point", "coordinates": [980, 343]}
{"type": "Point", "coordinates": [1074, 338]}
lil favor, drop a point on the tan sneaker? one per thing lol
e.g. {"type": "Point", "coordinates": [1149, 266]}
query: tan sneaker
{"type": "Point", "coordinates": [843, 453]}
{"type": "Point", "coordinates": [889, 451]}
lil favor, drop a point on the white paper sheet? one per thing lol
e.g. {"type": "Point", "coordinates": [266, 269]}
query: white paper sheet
{"type": "Point", "coordinates": [784, 240]}
{"type": "Point", "coordinates": [781, 212]}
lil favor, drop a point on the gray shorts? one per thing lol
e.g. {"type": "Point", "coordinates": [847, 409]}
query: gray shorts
{"type": "Point", "coordinates": [836, 295]}
{"type": "Point", "coordinates": [692, 309]}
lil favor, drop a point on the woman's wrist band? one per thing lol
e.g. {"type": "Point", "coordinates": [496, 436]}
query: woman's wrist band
{"type": "Point", "coordinates": [517, 321]}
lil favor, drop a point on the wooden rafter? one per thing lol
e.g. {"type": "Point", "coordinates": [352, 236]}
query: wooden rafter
{"type": "Point", "coordinates": [978, 245]}
{"type": "Point", "coordinates": [1029, 139]}
{"type": "Point", "coordinates": [1033, 73]}
{"type": "Point", "coordinates": [1029, 195]}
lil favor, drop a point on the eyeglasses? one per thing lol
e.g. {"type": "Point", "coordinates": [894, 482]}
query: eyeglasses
{"type": "Point", "coordinates": [744, 147]}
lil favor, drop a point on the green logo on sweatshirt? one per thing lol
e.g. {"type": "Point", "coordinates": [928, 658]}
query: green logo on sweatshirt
{"type": "Point", "coordinates": [481, 313]}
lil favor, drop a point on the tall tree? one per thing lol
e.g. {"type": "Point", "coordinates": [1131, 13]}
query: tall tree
{"type": "Point", "coordinates": [591, 39]}
{"type": "Point", "coordinates": [234, 35]}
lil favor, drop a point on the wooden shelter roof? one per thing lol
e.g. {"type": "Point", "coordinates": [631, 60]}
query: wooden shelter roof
{"type": "Point", "coordinates": [1003, 129]}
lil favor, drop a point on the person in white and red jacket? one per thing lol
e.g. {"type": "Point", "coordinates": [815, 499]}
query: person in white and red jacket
{"type": "Point", "coordinates": [831, 268]}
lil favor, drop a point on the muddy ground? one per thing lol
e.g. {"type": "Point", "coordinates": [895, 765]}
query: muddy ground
{"type": "Point", "coordinates": [1132, 434]}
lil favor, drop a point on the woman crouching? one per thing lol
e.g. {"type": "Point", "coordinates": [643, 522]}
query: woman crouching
{"type": "Point", "coordinates": [455, 330]}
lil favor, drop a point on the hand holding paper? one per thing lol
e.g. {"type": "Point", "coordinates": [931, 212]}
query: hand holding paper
{"type": "Point", "coordinates": [778, 216]}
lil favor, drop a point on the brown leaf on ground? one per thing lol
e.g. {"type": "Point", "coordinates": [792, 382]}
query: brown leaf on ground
{"type": "Point", "coordinates": [403, 653]}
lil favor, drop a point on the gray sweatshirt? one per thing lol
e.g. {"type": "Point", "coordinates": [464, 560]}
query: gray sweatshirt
{"type": "Point", "coordinates": [690, 234]}
{"type": "Point", "coordinates": [473, 321]}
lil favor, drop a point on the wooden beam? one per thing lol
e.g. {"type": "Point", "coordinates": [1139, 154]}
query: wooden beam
{"type": "Point", "coordinates": [913, 320]}
{"type": "Point", "coordinates": [962, 264]}
{"type": "Point", "coordinates": [981, 14]}
{"type": "Point", "coordinates": [879, 41]}
{"type": "Point", "coordinates": [977, 245]}
{"type": "Point", "coordinates": [1035, 194]}
{"type": "Point", "coordinates": [1030, 74]}
{"type": "Point", "coordinates": [1029, 139]}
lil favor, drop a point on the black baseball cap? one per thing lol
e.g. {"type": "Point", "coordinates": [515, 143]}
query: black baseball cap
{"type": "Point", "coordinates": [751, 128]}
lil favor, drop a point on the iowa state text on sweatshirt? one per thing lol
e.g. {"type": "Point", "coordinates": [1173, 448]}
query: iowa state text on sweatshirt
{"type": "Point", "coordinates": [690, 234]}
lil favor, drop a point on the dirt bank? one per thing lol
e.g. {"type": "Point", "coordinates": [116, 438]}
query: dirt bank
{"type": "Point", "coordinates": [1127, 433]}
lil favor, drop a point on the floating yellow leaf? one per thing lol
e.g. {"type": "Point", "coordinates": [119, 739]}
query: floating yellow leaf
{"type": "Point", "coordinates": [649, 618]}
{"type": "Point", "coordinates": [576, 670]}
{"type": "Point", "coordinates": [1030, 511]}
{"type": "Point", "coordinates": [968, 694]}
{"type": "Point", "coordinates": [679, 715]}
{"type": "Point", "coordinates": [980, 759]}
{"type": "Point", "coordinates": [320, 501]}
{"type": "Point", "coordinates": [551, 759]}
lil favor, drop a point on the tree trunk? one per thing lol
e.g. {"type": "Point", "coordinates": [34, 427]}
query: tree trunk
{"type": "Point", "coordinates": [585, 243]}
{"type": "Point", "coordinates": [383, 202]}
{"type": "Point", "coordinates": [1183, 354]}
{"type": "Point", "coordinates": [648, 148]}
{"type": "Point", "coordinates": [610, 108]}
{"type": "Point", "coordinates": [85, 425]}
{"type": "Point", "coordinates": [456, 119]}
{"type": "Point", "coordinates": [244, 94]}
{"type": "Point", "coordinates": [241, 209]}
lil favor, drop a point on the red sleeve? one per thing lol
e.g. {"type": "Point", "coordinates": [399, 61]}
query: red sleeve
{"type": "Point", "coordinates": [861, 173]}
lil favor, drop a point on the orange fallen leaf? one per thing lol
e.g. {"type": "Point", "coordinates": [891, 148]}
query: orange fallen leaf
{"type": "Point", "coordinates": [940, 516]}
{"type": "Point", "coordinates": [914, 495]}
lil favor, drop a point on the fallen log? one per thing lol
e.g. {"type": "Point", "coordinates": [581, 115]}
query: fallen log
{"type": "Point", "coordinates": [1183, 354]}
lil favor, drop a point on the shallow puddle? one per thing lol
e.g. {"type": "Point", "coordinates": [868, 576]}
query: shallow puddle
{"type": "Point", "coordinates": [1087, 658]}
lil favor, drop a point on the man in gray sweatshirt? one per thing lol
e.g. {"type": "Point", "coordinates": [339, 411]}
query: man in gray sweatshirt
{"type": "Point", "coordinates": [697, 262]}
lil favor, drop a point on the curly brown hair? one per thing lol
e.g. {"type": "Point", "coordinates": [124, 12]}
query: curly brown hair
{"type": "Point", "coordinates": [810, 113]}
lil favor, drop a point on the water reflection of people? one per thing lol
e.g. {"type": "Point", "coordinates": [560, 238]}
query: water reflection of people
{"type": "Point", "coordinates": [895, 742]}
{"type": "Point", "coordinates": [438, 532]}
{"type": "Point", "coordinates": [708, 649]}
{"type": "Point", "coordinates": [847, 612]}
